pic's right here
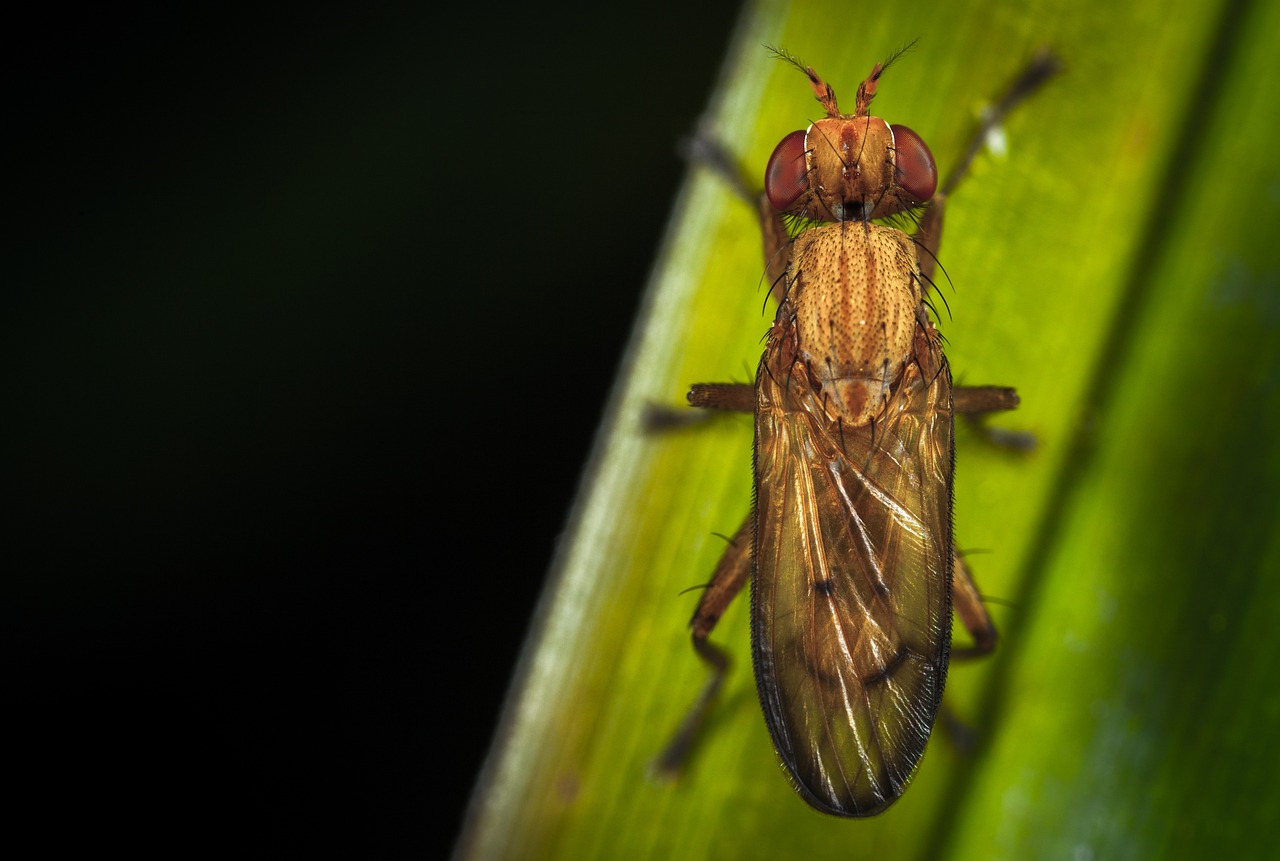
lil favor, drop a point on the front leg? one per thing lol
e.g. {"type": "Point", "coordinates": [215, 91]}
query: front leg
{"type": "Point", "coordinates": [776, 239]}
{"type": "Point", "coordinates": [928, 235]}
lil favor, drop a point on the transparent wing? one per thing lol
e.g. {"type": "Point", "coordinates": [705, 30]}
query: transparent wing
{"type": "Point", "coordinates": [851, 618]}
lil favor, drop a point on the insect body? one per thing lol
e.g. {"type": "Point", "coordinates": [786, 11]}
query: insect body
{"type": "Point", "coordinates": [849, 547]}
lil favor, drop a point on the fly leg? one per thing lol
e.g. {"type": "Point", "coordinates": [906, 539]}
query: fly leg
{"type": "Point", "coordinates": [707, 151]}
{"type": "Point", "coordinates": [734, 568]}
{"type": "Point", "coordinates": [730, 575]}
{"type": "Point", "coordinates": [970, 401]}
{"type": "Point", "coordinates": [973, 402]}
{"type": "Point", "coordinates": [980, 400]}
{"type": "Point", "coordinates": [928, 237]}
{"type": "Point", "coordinates": [971, 612]}
{"type": "Point", "coordinates": [733, 397]}
{"type": "Point", "coordinates": [977, 621]}
{"type": "Point", "coordinates": [704, 150]}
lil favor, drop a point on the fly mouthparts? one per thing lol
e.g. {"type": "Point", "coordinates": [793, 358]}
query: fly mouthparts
{"type": "Point", "coordinates": [852, 210]}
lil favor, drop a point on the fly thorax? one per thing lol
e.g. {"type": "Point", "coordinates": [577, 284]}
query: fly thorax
{"type": "Point", "coordinates": [854, 292]}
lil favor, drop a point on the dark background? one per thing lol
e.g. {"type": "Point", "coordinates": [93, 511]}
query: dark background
{"type": "Point", "coordinates": [309, 318]}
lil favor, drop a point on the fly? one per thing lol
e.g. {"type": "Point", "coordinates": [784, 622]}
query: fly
{"type": "Point", "coordinates": [849, 546]}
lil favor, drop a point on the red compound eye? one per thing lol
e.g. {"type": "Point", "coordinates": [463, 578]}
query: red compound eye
{"type": "Point", "coordinates": [916, 174]}
{"type": "Point", "coordinates": [786, 177]}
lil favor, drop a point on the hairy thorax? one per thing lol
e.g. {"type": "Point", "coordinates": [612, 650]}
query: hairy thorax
{"type": "Point", "coordinates": [854, 298]}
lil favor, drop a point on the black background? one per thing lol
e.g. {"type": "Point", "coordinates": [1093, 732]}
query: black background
{"type": "Point", "coordinates": [310, 314]}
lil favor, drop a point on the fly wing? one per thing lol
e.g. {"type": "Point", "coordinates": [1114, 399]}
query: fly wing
{"type": "Point", "coordinates": [851, 594]}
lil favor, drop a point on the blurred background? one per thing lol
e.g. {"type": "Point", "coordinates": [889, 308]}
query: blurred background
{"type": "Point", "coordinates": [310, 315]}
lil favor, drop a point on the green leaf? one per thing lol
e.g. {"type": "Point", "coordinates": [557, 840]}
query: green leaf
{"type": "Point", "coordinates": [1118, 265]}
